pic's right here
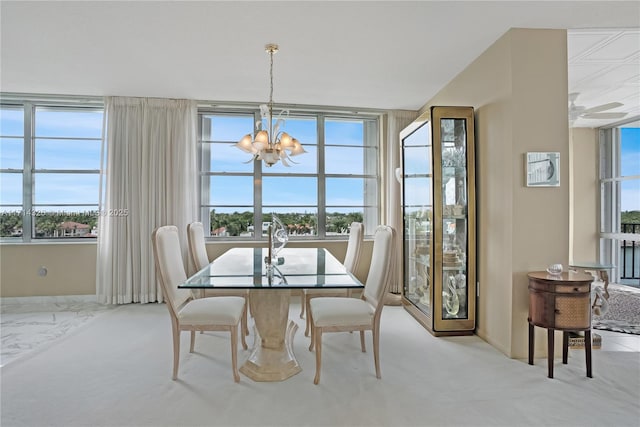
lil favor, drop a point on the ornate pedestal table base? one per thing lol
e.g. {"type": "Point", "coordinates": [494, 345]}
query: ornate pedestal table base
{"type": "Point", "coordinates": [272, 357]}
{"type": "Point", "coordinates": [601, 272]}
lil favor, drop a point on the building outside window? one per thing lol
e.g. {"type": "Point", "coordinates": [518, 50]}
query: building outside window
{"type": "Point", "coordinates": [49, 170]}
{"type": "Point", "coordinates": [334, 183]}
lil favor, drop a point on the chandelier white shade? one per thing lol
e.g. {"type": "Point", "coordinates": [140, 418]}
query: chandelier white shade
{"type": "Point", "coordinates": [272, 145]}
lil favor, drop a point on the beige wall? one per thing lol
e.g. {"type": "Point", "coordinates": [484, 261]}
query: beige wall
{"type": "Point", "coordinates": [519, 89]}
{"type": "Point", "coordinates": [72, 266]}
{"type": "Point", "coordinates": [583, 146]}
{"type": "Point", "coordinates": [71, 269]}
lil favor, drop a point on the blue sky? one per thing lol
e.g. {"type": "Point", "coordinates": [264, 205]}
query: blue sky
{"type": "Point", "coordinates": [630, 166]}
{"type": "Point", "coordinates": [85, 154]}
{"type": "Point", "coordinates": [55, 154]}
{"type": "Point", "coordinates": [301, 191]}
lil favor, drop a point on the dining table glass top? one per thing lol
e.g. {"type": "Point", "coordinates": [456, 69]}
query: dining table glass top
{"type": "Point", "coordinates": [295, 268]}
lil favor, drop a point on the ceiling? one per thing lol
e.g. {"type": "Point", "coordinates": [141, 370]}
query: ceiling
{"type": "Point", "coordinates": [604, 67]}
{"type": "Point", "coordinates": [381, 54]}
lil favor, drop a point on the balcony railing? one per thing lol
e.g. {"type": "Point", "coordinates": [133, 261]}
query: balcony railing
{"type": "Point", "coordinates": [630, 255]}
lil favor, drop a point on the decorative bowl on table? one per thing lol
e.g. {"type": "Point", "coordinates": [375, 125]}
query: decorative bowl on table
{"type": "Point", "coordinates": [555, 269]}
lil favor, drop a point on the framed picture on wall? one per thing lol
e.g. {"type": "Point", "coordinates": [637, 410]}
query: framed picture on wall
{"type": "Point", "coordinates": [542, 169]}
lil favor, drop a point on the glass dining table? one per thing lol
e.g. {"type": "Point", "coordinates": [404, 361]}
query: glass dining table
{"type": "Point", "coordinates": [272, 357]}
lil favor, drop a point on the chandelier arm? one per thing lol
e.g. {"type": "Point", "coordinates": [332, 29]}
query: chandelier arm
{"type": "Point", "coordinates": [289, 158]}
{"type": "Point", "coordinates": [252, 159]}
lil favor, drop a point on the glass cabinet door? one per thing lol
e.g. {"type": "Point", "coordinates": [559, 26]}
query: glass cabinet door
{"type": "Point", "coordinates": [418, 218]}
{"type": "Point", "coordinates": [453, 141]}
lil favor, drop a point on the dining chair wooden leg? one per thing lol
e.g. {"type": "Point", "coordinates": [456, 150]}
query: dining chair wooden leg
{"type": "Point", "coordinates": [193, 341]}
{"type": "Point", "coordinates": [243, 340]}
{"type": "Point", "coordinates": [364, 349]}
{"type": "Point", "coordinates": [307, 329]}
{"type": "Point", "coordinates": [313, 329]}
{"type": "Point", "coordinates": [248, 301]}
{"type": "Point", "coordinates": [201, 296]}
{"type": "Point", "coordinates": [303, 303]}
{"type": "Point", "coordinates": [244, 320]}
{"type": "Point", "coordinates": [176, 348]}
{"type": "Point", "coordinates": [234, 352]}
{"type": "Point", "coordinates": [376, 351]}
{"type": "Point", "coordinates": [318, 338]}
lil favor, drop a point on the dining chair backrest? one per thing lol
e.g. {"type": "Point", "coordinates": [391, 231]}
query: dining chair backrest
{"type": "Point", "coordinates": [168, 257]}
{"type": "Point", "coordinates": [197, 247]}
{"type": "Point", "coordinates": [354, 246]}
{"type": "Point", "coordinates": [380, 271]}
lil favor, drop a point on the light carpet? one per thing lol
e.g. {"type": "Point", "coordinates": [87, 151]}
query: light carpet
{"type": "Point", "coordinates": [116, 371]}
{"type": "Point", "coordinates": [623, 314]}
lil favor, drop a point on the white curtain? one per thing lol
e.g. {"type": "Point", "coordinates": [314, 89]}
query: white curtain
{"type": "Point", "coordinates": [150, 180]}
{"type": "Point", "coordinates": [396, 120]}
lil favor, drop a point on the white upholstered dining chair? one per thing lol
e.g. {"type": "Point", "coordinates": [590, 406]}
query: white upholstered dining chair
{"type": "Point", "coordinates": [351, 261]}
{"type": "Point", "coordinates": [200, 259]}
{"type": "Point", "coordinates": [188, 314]}
{"type": "Point", "coordinates": [338, 314]}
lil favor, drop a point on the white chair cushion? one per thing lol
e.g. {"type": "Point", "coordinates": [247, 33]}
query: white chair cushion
{"type": "Point", "coordinates": [340, 312]}
{"type": "Point", "coordinates": [212, 311]}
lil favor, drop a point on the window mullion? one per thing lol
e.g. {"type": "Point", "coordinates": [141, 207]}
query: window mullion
{"type": "Point", "coordinates": [322, 199]}
{"type": "Point", "coordinates": [27, 173]}
{"type": "Point", "coordinates": [204, 160]}
{"type": "Point", "coordinates": [257, 190]}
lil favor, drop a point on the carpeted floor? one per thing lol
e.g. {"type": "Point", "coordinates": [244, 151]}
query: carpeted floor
{"type": "Point", "coordinates": [623, 314]}
{"type": "Point", "coordinates": [116, 371]}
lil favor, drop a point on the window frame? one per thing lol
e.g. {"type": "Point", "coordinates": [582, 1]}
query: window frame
{"type": "Point", "coordinates": [371, 122]}
{"type": "Point", "coordinates": [29, 208]}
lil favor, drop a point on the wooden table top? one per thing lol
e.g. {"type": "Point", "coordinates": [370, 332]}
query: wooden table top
{"type": "Point", "coordinates": [565, 276]}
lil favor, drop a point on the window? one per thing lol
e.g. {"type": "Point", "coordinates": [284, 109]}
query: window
{"type": "Point", "coordinates": [620, 201]}
{"type": "Point", "coordinates": [49, 170]}
{"type": "Point", "coordinates": [11, 166]}
{"type": "Point", "coordinates": [333, 184]}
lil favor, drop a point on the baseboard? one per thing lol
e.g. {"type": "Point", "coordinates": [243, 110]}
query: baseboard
{"type": "Point", "coordinates": [57, 299]}
{"type": "Point", "coordinates": [392, 299]}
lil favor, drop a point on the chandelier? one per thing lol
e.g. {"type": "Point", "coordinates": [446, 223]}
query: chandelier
{"type": "Point", "coordinates": [272, 145]}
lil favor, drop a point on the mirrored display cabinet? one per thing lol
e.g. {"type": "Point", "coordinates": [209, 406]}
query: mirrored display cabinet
{"type": "Point", "coordinates": [439, 220]}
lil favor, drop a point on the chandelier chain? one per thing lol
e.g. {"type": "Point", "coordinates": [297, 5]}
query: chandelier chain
{"type": "Point", "coordinates": [271, 52]}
